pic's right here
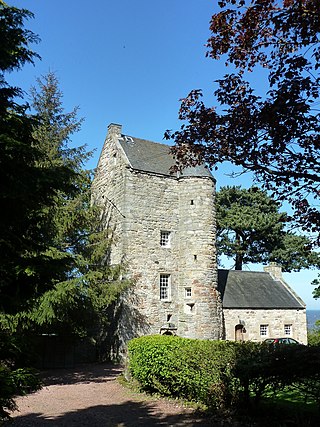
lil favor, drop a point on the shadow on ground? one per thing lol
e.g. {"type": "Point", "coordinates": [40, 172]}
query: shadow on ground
{"type": "Point", "coordinates": [82, 374]}
{"type": "Point", "coordinates": [123, 415]}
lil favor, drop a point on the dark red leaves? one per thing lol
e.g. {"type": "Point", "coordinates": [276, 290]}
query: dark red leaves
{"type": "Point", "coordinates": [274, 135]}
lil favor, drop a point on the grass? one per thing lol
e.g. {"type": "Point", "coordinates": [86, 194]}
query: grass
{"type": "Point", "coordinates": [286, 408]}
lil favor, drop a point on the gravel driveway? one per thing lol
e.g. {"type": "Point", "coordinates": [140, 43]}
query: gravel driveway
{"type": "Point", "coordinates": [92, 396]}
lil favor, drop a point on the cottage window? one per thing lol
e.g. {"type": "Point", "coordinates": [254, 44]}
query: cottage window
{"type": "Point", "coordinates": [264, 330]}
{"type": "Point", "coordinates": [165, 285]}
{"type": "Point", "coordinates": [165, 238]}
{"type": "Point", "coordinates": [288, 330]}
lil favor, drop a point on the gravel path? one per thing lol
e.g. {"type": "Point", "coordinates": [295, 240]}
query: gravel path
{"type": "Point", "coordinates": [92, 396]}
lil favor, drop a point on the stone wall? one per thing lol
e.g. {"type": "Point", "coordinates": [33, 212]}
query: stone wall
{"type": "Point", "coordinates": [183, 207]}
{"type": "Point", "coordinates": [251, 319]}
{"type": "Point", "coordinates": [137, 206]}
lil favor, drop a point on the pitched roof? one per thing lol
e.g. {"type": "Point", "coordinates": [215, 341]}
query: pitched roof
{"type": "Point", "coordinates": [156, 158]}
{"type": "Point", "coordinates": [252, 289]}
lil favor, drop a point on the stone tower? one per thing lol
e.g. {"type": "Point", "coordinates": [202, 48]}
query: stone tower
{"type": "Point", "coordinates": [163, 230]}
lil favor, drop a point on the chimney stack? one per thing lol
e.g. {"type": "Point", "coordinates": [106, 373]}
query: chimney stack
{"type": "Point", "coordinates": [274, 270]}
{"type": "Point", "coordinates": [114, 129]}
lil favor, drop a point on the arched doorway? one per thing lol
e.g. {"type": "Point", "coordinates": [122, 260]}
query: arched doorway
{"type": "Point", "coordinates": [239, 331]}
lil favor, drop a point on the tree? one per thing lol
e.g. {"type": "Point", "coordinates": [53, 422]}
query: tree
{"type": "Point", "coordinates": [250, 229]}
{"type": "Point", "coordinates": [274, 135]}
{"type": "Point", "coordinates": [76, 285]}
{"type": "Point", "coordinates": [21, 195]}
{"type": "Point", "coordinates": [54, 272]}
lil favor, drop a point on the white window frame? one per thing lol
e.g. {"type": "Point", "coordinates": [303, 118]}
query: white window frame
{"type": "Point", "coordinates": [287, 329]}
{"type": "Point", "coordinates": [165, 239]}
{"type": "Point", "coordinates": [264, 330]}
{"type": "Point", "coordinates": [187, 292]}
{"type": "Point", "coordinates": [165, 287]}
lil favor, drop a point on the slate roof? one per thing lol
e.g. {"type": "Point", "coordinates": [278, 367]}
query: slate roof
{"type": "Point", "coordinates": [156, 158]}
{"type": "Point", "coordinates": [251, 289]}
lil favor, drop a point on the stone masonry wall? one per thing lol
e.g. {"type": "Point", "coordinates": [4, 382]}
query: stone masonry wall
{"type": "Point", "coordinates": [155, 203]}
{"type": "Point", "coordinates": [200, 314]}
{"type": "Point", "coordinates": [108, 191]}
{"type": "Point", "coordinates": [136, 207]}
{"type": "Point", "coordinates": [274, 318]}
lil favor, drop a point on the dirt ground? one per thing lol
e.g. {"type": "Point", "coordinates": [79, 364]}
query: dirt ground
{"type": "Point", "coordinates": [92, 396]}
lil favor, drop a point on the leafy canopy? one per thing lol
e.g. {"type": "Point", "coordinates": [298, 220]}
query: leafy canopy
{"type": "Point", "coordinates": [275, 135]}
{"type": "Point", "coordinates": [251, 229]}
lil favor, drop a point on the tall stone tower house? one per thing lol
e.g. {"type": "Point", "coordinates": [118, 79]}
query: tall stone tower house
{"type": "Point", "coordinates": [163, 231]}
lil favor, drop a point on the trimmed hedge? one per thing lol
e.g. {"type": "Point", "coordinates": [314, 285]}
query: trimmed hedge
{"type": "Point", "coordinates": [222, 374]}
{"type": "Point", "coordinates": [195, 370]}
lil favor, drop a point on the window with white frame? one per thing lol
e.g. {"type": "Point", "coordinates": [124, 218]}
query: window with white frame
{"type": "Point", "coordinates": [187, 292]}
{"type": "Point", "coordinates": [288, 330]}
{"type": "Point", "coordinates": [264, 330]}
{"type": "Point", "coordinates": [165, 287]}
{"type": "Point", "coordinates": [165, 238]}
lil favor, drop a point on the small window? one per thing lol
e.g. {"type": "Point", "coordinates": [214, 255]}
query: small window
{"type": "Point", "coordinates": [187, 292]}
{"type": "Point", "coordinates": [264, 330]}
{"type": "Point", "coordinates": [165, 239]}
{"type": "Point", "coordinates": [191, 202]}
{"type": "Point", "coordinates": [288, 330]}
{"type": "Point", "coordinates": [165, 291]}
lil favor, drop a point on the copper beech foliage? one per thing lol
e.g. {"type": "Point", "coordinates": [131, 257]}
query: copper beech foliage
{"type": "Point", "coordinates": [274, 135]}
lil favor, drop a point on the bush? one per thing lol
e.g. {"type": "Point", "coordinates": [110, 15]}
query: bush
{"type": "Point", "coordinates": [15, 379]}
{"type": "Point", "coordinates": [222, 374]}
{"type": "Point", "coordinates": [314, 335]}
{"type": "Point", "coordinates": [195, 370]}
{"type": "Point", "coordinates": [12, 383]}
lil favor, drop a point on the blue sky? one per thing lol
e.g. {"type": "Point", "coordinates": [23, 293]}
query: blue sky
{"type": "Point", "coordinates": [129, 62]}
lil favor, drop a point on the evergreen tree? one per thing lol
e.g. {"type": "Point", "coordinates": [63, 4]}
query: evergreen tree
{"type": "Point", "coordinates": [75, 285]}
{"type": "Point", "coordinates": [54, 272]}
{"type": "Point", "coordinates": [252, 230]}
{"type": "Point", "coordinates": [23, 192]}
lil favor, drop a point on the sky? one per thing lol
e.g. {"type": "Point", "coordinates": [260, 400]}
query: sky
{"type": "Point", "coordinates": [130, 62]}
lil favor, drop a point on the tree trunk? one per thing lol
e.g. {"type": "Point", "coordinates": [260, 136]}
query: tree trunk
{"type": "Point", "coordinates": [239, 261]}
{"type": "Point", "coordinates": [239, 256]}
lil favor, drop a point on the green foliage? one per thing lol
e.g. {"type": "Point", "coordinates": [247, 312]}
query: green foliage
{"type": "Point", "coordinates": [189, 369]}
{"type": "Point", "coordinates": [250, 229]}
{"type": "Point", "coordinates": [223, 375]}
{"type": "Point", "coordinates": [54, 272]}
{"type": "Point", "coordinates": [316, 291]}
{"type": "Point", "coordinates": [12, 383]}
{"type": "Point", "coordinates": [15, 379]}
{"type": "Point", "coordinates": [314, 334]}
{"type": "Point", "coordinates": [64, 283]}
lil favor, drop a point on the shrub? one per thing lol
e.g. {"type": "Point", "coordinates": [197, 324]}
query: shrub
{"type": "Point", "coordinates": [196, 370]}
{"type": "Point", "coordinates": [222, 374]}
{"type": "Point", "coordinates": [13, 383]}
{"type": "Point", "coordinates": [15, 379]}
{"type": "Point", "coordinates": [314, 334]}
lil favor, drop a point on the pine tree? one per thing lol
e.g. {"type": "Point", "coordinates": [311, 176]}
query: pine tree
{"type": "Point", "coordinates": [83, 286]}
{"type": "Point", "coordinates": [251, 229]}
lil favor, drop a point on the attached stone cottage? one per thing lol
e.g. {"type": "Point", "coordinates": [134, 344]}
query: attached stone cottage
{"type": "Point", "coordinates": [162, 227]}
{"type": "Point", "coordinates": [258, 305]}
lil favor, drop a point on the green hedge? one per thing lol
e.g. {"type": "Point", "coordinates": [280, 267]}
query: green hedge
{"type": "Point", "coordinates": [222, 374]}
{"type": "Point", "coordinates": [191, 369]}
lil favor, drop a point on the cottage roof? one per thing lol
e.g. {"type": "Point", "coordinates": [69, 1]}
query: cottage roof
{"type": "Point", "coordinates": [252, 289]}
{"type": "Point", "coordinates": [154, 157]}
